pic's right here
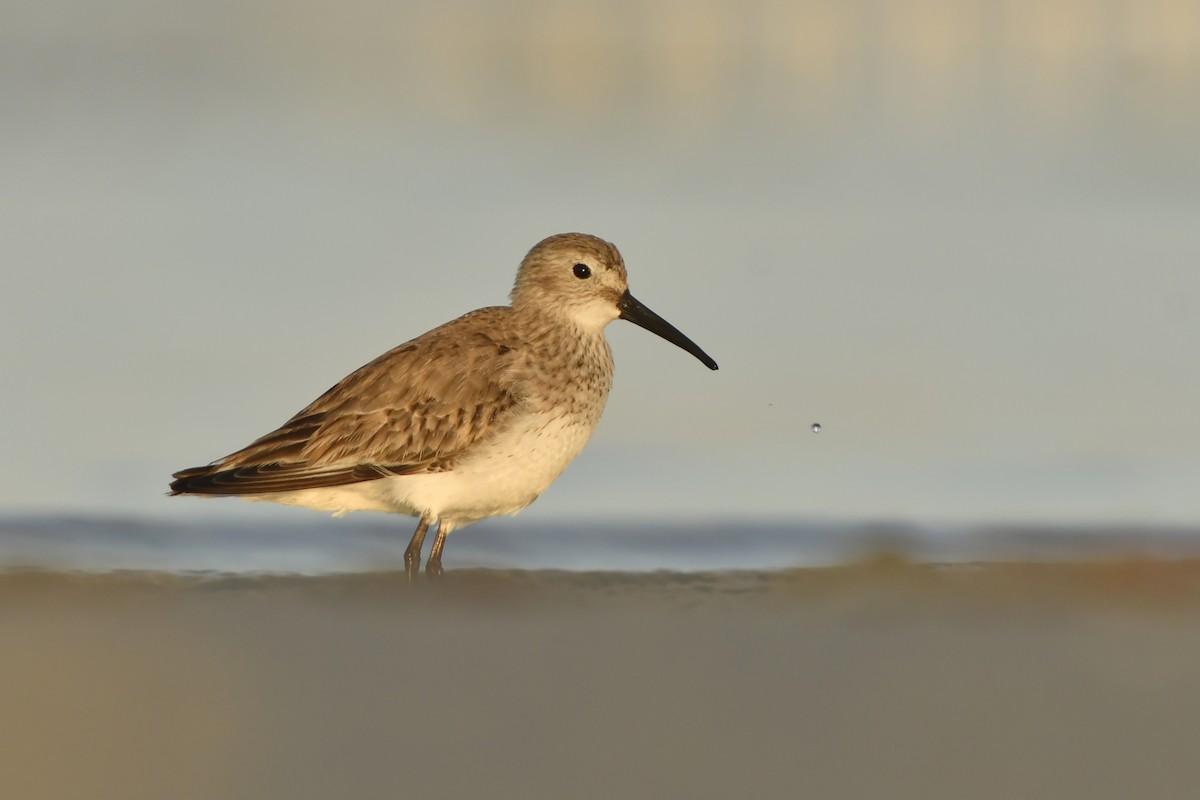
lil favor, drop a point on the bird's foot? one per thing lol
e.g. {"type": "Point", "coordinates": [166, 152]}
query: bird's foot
{"type": "Point", "coordinates": [412, 565]}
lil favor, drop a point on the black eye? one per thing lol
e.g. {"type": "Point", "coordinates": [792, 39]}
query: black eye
{"type": "Point", "coordinates": [583, 271]}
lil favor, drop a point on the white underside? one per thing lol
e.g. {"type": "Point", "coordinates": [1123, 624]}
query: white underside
{"type": "Point", "coordinates": [500, 478]}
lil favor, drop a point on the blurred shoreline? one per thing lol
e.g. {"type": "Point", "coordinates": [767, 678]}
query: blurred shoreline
{"type": "Point", "coordinates": [1129, 582]}
{"type": "Point", "coordinates": [320, 546]}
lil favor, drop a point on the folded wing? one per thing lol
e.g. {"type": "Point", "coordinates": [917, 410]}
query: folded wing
{"type": "Point", "coordinates": [416, 408]}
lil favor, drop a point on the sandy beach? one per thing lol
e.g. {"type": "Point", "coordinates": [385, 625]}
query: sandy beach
{"type": "Point", "coordinates": [878, 679]}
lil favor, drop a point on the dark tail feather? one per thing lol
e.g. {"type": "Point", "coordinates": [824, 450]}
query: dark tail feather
{"type": "Point", "coordinates": [191, 481]}
{"type": "Point", "coordinates": [268, 478]}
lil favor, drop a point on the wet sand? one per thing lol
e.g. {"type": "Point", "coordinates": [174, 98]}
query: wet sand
{"type": "Point", "coordinates": [880, 679]}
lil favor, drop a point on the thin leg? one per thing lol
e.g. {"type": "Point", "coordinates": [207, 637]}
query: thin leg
{"type": "Point", "coordinates": [412, 554]}
{"type": "Point", "coordinates": [433, 567]}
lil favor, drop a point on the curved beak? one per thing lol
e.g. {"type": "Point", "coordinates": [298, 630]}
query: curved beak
{"type": "Point", "coordinates": [638, 314]}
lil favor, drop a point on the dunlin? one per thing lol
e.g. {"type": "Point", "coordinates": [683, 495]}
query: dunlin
{"type": "Point", "coordinates": [473, 419]}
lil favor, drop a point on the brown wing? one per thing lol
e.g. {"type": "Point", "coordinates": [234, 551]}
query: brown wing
{"type": "Point", "coordinates": [414, 409]}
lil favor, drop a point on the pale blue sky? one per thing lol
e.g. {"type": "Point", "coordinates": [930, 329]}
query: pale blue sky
{"type": "Point", "coordinates": [964, 240]}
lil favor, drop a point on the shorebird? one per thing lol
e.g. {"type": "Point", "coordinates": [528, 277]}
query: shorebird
{"type": "Point", "coordinates": [473, 419]}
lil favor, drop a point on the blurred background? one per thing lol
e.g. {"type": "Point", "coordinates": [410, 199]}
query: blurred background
{"type": "Point", "coordinates": [963, 236]}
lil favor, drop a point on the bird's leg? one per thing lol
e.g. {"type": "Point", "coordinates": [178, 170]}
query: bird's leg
{"type": "Point", "coordinates": [433, 567]}
{"type": "Point", "coordinates": [412, 554]}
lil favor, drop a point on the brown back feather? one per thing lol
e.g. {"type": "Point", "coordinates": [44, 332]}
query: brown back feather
{"type": "Point", "coordinates": [414, 409]}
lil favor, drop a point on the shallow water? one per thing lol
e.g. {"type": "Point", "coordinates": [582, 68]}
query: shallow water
{"type": "Point", "coordinates": [317, 545]}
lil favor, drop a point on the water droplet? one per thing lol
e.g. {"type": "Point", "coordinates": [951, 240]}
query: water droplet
{"type": "Point", "coordinates": [816, 427]}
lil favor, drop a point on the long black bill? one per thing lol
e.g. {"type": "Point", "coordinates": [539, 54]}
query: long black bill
{"type": "Point", "coordinates": [638, 314]}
